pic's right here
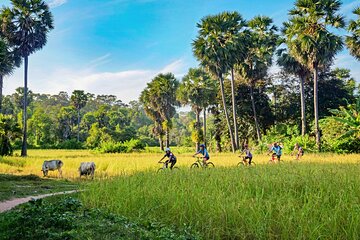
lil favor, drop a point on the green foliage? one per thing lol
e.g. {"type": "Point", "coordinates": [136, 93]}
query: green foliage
{"type": "Point", "coordinates": [121, 147]}
{"type": "Point", "coordinates": [353, 41]}
{"type": "Point", "coordinates": [9, 131]}
{"type": "Point", "coordinates": [66, 218]}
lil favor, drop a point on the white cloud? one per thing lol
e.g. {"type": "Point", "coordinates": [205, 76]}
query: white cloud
{"type": "Point", "coordinates": [99, 61]}
{"type": "Point", "coordinates": [56, 3]}
{"type": "Point", "coordinates": [126, 85]}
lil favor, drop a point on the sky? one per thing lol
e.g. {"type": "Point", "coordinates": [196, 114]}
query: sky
{"type": "Point", "coordinates": [117, 46]}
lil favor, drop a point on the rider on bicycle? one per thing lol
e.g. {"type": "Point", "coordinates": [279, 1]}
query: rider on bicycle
{"type": "Point", "coordinates": [277, 150]}
{"type": "Point", "coordinates": [171, 160]}
{"type": "Point", "coordinates": [246, 150]}
{"type": "Point", "coordinates": [299, 151]}
{"type": "Point", "coordinates": [203, 152]}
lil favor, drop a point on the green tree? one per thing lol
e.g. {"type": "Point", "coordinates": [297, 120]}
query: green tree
{"type": "Point", "coordinates": [310, 41]}
{"type": "Point", "coordinates": [9, 131]}
{"type": "Point", "coordinates": [25, 26]}
{"type": "Point", "coordinates": [78, 100]}
{"type": "Point", "coordinates": [353, 41]}
{"type": "Point", "coordinates": [8, 62]}
{"type": "Point", "coordinates": [198, 90]}
{"type": "Point", "coordinates": [216, 37]}
{"type": "Point", "coordinates": [292, 66]}
{"type": "Point", "coordinates": [159, 100]}
{"type": "Point", "coordinates": [262, 42]}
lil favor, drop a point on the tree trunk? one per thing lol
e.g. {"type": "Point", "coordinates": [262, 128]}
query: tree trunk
{"type": "Point", "coordinates": [24, 142]}
{"type": "Point", "coordinates": [255, 116]}
{"type": "Point", "coordinates": [302, 96]}
{"type": "Point", "coordinates": [1, 90]}
{"type": "Point", "coordinates": [236, 135]}
{"type": "Point", "coordinates": [226, 113]}
{"type": "Point", "coordinates": [316, 109]}
{"type": "Point", "coordinates": [167, 137]}
{"type": "Point", "coordinates": [78, 122]}
{"type": "Point", "coordinates": [161, 143]}
{"type": "Point", "coordinates": [204, 125]}
{"type": "Point", "coordinates": [197, 115]}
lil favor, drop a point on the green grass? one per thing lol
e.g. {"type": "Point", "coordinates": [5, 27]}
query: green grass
{"type": "Point", "coordinates": [13, 186]}
{"type": "Point", "coordinates": [66, 218]}
{"type": "Point", "coordinates": [283, 201]}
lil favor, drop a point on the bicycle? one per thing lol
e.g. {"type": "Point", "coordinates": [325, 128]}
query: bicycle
{"type": "Point", "coordinates": [245, 162]}
{"type": "Point", "coordinates": [166, 167]}
{"type": "Point", "coordinates": [274, 159]}
{"type": "Point", "coordinates": [199, 163]}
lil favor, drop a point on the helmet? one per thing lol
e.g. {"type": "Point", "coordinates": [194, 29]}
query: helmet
{"type": "Point", "coordinates": [202, 145]}
{"type": "Point", "coordinates": [167, 149]}
{"type": "Point", "coordinates": [246, 145]}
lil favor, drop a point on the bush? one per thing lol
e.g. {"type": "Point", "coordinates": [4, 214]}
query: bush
{"type": "Point", "coordinates": [124, 147]}
{"type": "Point", "coordinates": [70, 144]}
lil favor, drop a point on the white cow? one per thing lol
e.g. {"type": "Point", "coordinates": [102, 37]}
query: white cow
{"type": "Point", "coordinates": [52, 165]}
{"type": "Point", "coordinates": [87, 168]}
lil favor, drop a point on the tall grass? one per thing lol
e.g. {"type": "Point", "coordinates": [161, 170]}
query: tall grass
{"type": "Point", "coordinates": [284, 201]}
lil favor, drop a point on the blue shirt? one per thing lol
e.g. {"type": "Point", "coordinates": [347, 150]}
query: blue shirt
{"type": "Point", "coordinates": [204, 152]}
{"type": "Point", "coordinates": [277, 150]}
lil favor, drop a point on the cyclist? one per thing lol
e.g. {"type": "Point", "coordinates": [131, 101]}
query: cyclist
{"type": "Point", "coordinates": [246, 150]}
{"type": "Point", "coordinates": [277, 150]}
{"type": "Point", "coordinates": [203, 152]}
{"type": "Point", "coordinates": [299, 151]}
{"type": "Point", "coordinates": [171, 160]}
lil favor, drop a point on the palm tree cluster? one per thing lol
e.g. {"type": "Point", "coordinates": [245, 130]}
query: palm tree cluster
{"type": "Point", "coordinates": [23, 30]}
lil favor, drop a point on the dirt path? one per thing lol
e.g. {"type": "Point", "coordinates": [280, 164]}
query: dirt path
{"type": "Point", "coordinates": [7, 205]}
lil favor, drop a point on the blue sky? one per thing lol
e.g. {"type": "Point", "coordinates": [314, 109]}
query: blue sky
{"type": "Point", "coordinates": [117, 46]}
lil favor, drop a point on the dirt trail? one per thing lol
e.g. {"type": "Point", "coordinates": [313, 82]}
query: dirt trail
{"type": "Point", "coordinates": [7, 205]}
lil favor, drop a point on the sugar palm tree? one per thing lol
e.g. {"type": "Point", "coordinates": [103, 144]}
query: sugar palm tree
{"type": "Point", "coordinates": [217, 37]}
{"type": "Point", "coordinates": [262, 41]}
{"type": "Point", "coordinates": [8, 62]}
{"type": "Point", "coordinates": [25, 26]}
{"type": "Point", "coordinates": [292, 66]}
{"type": "Point", "coordinates": [310, 41]}
{"type": "Point", "coordinates": [198, 90]}
{"type": "Point", "coordinates": [353, 41]}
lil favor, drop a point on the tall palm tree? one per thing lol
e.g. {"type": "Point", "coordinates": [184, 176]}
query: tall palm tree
{"type": "Point", "coordinates": [353, 41]}
{"type": "Point", "coordinates": [8, 62]}
{"type": "Point", "coordinates": [78, 100]}
{"type": "Point", "coordinates": [159, 100]}
{"type": "Point", "coordinates": [292, 66]}
{"type": "Point", "coordinates": [262, 41]}
{"type": "Point", "coordinates": [310, 41]}
{"type": "Point", "coordinates": [197, 89]}
{"type": "Point", "coordinates": [25, 26]}
{"type": "Point", "coordinates": [217, 37]}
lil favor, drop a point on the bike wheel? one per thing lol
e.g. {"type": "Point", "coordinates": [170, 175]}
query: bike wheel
{"type": "Point", "coordinates": [175, 169]}
{"type": "Point", "coordinates": [252, 164]}
{"type": "Point", "coordinates": [160, 170]}
{"type": "Point", "coordinates": [241, 164]}
{"type": "Point", "coordinates": [194, 165]}
{"type": "Point", "coordinates": [210, 165]}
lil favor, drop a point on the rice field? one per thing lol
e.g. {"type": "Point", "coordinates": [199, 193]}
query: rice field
{"type": "Point", "coordinates": [317, 197]}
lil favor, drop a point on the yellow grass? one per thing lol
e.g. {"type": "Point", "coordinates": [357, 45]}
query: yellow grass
{"type": "Point", "coordinates": [115, 164]}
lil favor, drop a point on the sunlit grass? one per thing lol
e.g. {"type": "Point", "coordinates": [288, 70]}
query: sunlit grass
{"type": "Point", "coordinates": [108, 165]}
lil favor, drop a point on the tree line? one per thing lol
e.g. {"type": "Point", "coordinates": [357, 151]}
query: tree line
{"type": "Point", "coordinates": [241, 101]}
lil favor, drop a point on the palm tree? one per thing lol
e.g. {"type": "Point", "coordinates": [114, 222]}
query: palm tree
{"type": "Point", "coordinates": [217, 37]}
{"type": "Point", "coordinates": [197, 89]}
{"type": "Point", "coordinates": [290, 65]}
{"type": "Point", "coordinates": [25, 26]}
{"type": "Point", "coordinates": [8, 62]}
{"type": "Point", "coordinates": [353, 41]}
{"type": "Point", "coordinates": [311, 43]}
{"type": "Point", "coordinates": [159, 100]}
{"type": "Point", "coordinates": [78, 100]}
{"type": "Point", "coordinates": [262, 41]}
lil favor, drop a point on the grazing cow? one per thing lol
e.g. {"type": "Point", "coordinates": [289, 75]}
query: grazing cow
{"type": "Point", "coordinates": [52, 165]}
{"type": "Point", "coordinates": [87, 168]}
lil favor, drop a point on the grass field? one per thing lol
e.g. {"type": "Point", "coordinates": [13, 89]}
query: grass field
{"type": "Point", "coordinates": [315, 198]}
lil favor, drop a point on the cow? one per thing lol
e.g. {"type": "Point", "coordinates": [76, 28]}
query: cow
{"type": "Point", "coordinates": [87, 168]}
{"type": "Point", "coordinates": [52, 165]}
